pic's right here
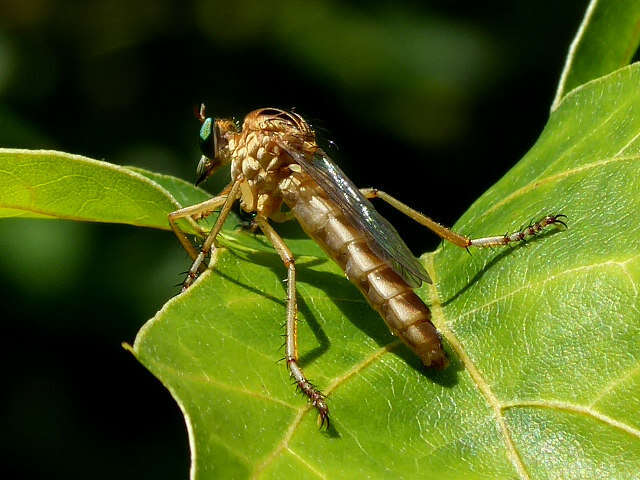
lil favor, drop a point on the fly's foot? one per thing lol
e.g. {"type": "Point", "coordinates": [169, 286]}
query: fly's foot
{"type": "Point", "coordinates": [534, 228]}
{"type": "Point", "coordinates": [320, 405]}
{"type": "Point", "coordinates": [554, 219]}
{"type": "Point", "coordinates": [317, 400]}
{"type": "Point", "coordinates": [520, 236]}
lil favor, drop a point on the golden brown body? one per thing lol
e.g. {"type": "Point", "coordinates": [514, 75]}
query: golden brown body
{"type": "Point", "coordinates": [270, 180]}
{"type": "Point", "coordinates": [402, 310]}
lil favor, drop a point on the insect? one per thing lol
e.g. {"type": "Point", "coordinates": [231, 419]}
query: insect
{"type": "Point", "coordinates": [276, 161]}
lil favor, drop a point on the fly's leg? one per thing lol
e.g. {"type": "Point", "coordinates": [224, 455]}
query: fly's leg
{"type": "Point", "coordinates": [198, 258]}
{"type": "Point", "coordinates": [461, 240]}
{"type": "Point", "coordinates": [316, 397]}
{"type": "Point", "coordinates": [521, 235]}
{"type": "Point", "coordinates": [193, 213]}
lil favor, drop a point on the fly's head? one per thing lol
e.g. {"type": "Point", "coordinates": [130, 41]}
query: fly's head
{"type": "Point", "coordinates": [214, 144]}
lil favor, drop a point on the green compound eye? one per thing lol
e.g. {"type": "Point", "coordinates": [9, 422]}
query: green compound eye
{"type": "Point", "coordinates": [208, 140]}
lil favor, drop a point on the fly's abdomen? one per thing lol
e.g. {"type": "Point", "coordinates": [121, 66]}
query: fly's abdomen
{"type": "Point", "coordinates": [402, 310]}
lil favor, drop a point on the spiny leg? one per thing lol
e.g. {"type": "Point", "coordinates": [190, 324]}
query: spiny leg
{"type": "Point", "coordinates": [533, 229]}
{"type": "Point", "coordinates": [209, 241]}
{"type": "Point", "coordinates": [316, 397]}
{"type": "Point", "coordinates": [462, 240]}
{"type": "Point", "coordinates": [199, 210]}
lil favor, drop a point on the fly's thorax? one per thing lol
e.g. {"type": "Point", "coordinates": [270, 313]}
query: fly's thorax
{"type": "Point", "coordinates": [263, 164]}
{"type": "Point", "coordinates": [257, 153]}
{"type": "Point", "coordinates": [244, 154]}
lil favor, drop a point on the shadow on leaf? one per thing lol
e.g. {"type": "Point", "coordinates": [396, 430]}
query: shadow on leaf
{"type": "Point", "coordinates": [339, 289]}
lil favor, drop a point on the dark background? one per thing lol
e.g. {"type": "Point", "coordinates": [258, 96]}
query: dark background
{"type": "Point", "coordinates": [432, 101]}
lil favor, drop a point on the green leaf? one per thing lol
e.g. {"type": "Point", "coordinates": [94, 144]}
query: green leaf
{"type": "Point", "coordinates": [44, 183]}
{"type": "Point", "coordinates": [183, 192]}
{"type": "Point", "coordinates": [606, 40]}
{"type": "Point", "coordinates": [544, 337]}
{"type": "Point", "coordinates": [50, 184]}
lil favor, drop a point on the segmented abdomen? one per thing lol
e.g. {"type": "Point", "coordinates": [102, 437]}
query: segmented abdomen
{"type": "Point", "coordinates": [402, 310]}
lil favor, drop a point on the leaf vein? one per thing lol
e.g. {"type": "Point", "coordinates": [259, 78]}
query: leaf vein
{"type": "Point", "coordinates": [310, 467]}
{"type": "Point", "coordinates": [551, 278]}
{"type": "Point", "coordinates": [567, 173]}
{"type": "Point", "coordinates": [284, 443]}
{"type": "Point", "coordinates": [566, 70]}
{"type": "Point", "coordinates": [573, 408]}
{"type": "Point", "coordinates": [628, 144]}
{"type": "Point", "coordinates": [613, 384]}
{"type": "Point", "coordinates": [205, 379]}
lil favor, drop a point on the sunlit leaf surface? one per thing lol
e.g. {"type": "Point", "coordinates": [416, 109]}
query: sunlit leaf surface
{"type": "Point", "coordinates": [50, 184]}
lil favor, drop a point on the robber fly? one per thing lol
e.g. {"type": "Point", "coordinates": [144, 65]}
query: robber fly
{"type": "Point", "coordinates": [276, 161]}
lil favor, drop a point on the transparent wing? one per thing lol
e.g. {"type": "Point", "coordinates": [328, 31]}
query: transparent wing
{"type": "Point", "coordinates": [384, 240]}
